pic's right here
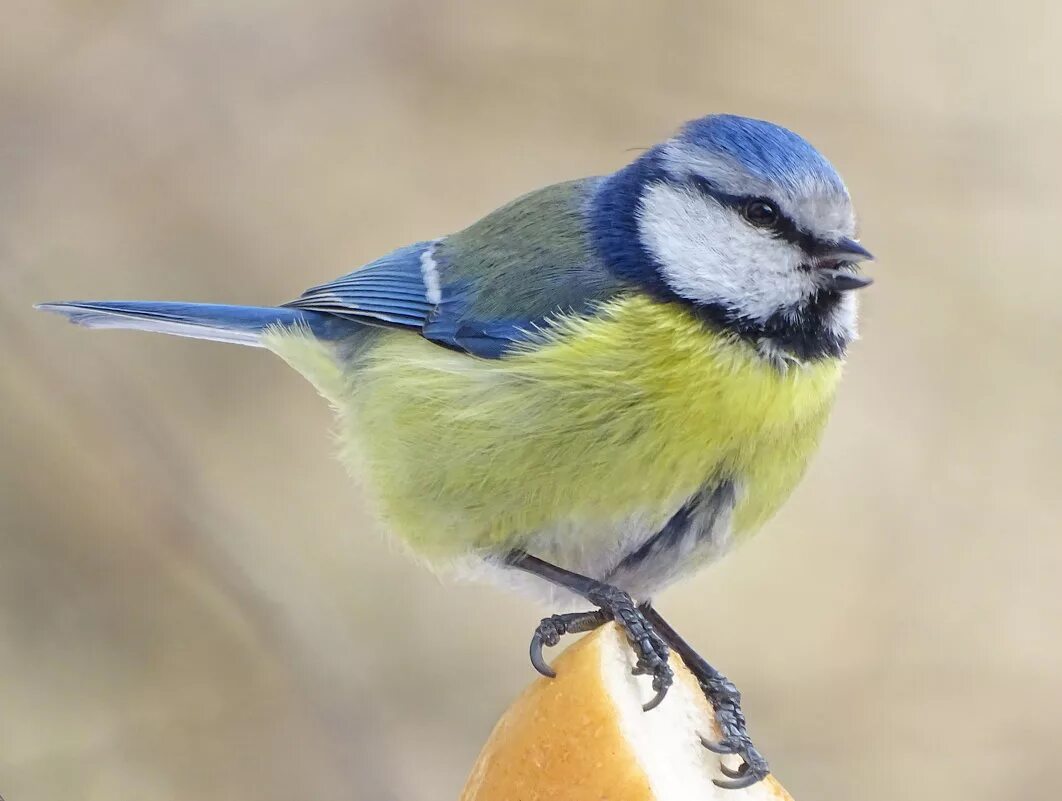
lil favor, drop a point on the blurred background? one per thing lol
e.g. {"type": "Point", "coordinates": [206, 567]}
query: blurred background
{"type": "Point", "coordinates": [194, 601]}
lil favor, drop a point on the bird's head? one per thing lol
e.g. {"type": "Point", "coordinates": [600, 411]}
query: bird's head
{"type": "Point", "coordinates": [746, 222]}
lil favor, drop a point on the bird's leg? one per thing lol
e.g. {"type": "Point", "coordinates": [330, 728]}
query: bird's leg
{"type": "Point", "coordinates": [612, 604]}
{"type": "Point", "coordinates": [726, 702]}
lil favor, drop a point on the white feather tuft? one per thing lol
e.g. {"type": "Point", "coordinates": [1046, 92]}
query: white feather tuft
{"type": "Point", "coordinates": [430, 271]}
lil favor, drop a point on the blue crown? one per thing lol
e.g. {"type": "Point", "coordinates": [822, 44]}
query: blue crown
{"type": "Point", "coordinates": [764, 150]}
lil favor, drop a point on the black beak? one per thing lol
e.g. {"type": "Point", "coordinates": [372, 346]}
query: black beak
{"type": "Point", "coordinates": [840, 280]}
{"type": "Point", "coordinates": [836, 261]}
{"type": "Point", "coordinates": [842, 250]}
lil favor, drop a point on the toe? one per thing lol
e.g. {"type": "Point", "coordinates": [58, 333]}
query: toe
{"type": "Point", "coordinates": [747, 780]}
{"type": "Point", "coordinates": [654, 702]}
{"type": "Point", "coordinates": [722, 747]}
{"type": "Point", "coordinates": [730, 773]}
{"type": "Point", "coordinates": [539, 662]}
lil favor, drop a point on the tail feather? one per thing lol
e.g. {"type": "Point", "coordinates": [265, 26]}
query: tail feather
{"type": "Point", "coordinates": [239, 325]}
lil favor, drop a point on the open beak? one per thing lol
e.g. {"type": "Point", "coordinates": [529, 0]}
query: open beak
{"type": "Point", "coordinates": [843, 250]}
{"type": "Point", "coordinates": [836, 265]}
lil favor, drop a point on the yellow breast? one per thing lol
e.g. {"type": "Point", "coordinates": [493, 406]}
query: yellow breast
{"type": "Point", "coordinates": [626, 413]}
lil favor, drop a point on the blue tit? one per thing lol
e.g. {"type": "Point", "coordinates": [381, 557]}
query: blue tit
{"type": "Point", "coordinates": [601, 386]}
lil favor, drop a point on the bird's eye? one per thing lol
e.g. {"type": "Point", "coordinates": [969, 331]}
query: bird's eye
{"type": "Point", "coordinates": [760, 213]}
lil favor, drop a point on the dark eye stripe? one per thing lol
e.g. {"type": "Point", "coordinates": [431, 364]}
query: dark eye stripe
{"type": "Point", "coordinates": [783, 228]}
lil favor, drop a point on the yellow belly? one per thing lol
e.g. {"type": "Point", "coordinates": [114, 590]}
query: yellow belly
{"type": "Point", "coordinates": [627, 413]}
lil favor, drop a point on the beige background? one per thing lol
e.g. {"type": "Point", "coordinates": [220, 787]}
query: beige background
{"type": "Point", "coordinates": [193, 603]}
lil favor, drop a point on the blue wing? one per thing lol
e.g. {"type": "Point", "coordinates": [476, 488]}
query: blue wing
{"type": "Point", "coordinates": [486, 288]}
{"type": "Point", "coordinates": [389, 291]}
{"type": "Point", "coordinates": [392, 292]}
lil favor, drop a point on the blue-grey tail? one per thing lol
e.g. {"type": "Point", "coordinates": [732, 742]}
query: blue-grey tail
{"type": "Point", "coordinates": [240, 325]}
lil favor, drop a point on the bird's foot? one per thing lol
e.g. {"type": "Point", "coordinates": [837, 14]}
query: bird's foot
{"type": "Point", "coordinates": [726, 702]}
{"type": "Point", "coordinates": [552, 628]}
{"type": "Point", "coordinates": [613, 604]}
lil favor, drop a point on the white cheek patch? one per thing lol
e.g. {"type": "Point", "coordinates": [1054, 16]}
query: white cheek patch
{"type": "Point", "coordinates": [708, 254]}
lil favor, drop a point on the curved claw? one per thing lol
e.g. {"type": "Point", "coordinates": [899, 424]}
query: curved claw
{"type": "Point", "coordinates": [540, 664]}
{"type": "Point", "coordinates": [654, 702]}
{"type": "Point", "coordinates": [734, 774]}
{"type": "Point", "coordinates": [747, 780]}
{"type": "Point", "coordinates": [723, 747]}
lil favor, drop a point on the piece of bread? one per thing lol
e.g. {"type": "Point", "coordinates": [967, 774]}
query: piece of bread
{"type": "Point", "coordinates": [584, 737]}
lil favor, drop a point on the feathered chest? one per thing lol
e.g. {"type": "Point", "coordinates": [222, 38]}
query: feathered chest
{"type": "Point", "coordinates": [629, 411]}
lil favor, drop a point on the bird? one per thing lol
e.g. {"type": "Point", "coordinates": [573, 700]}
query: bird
{"type": "Point", "coordinates": [596, 389]}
